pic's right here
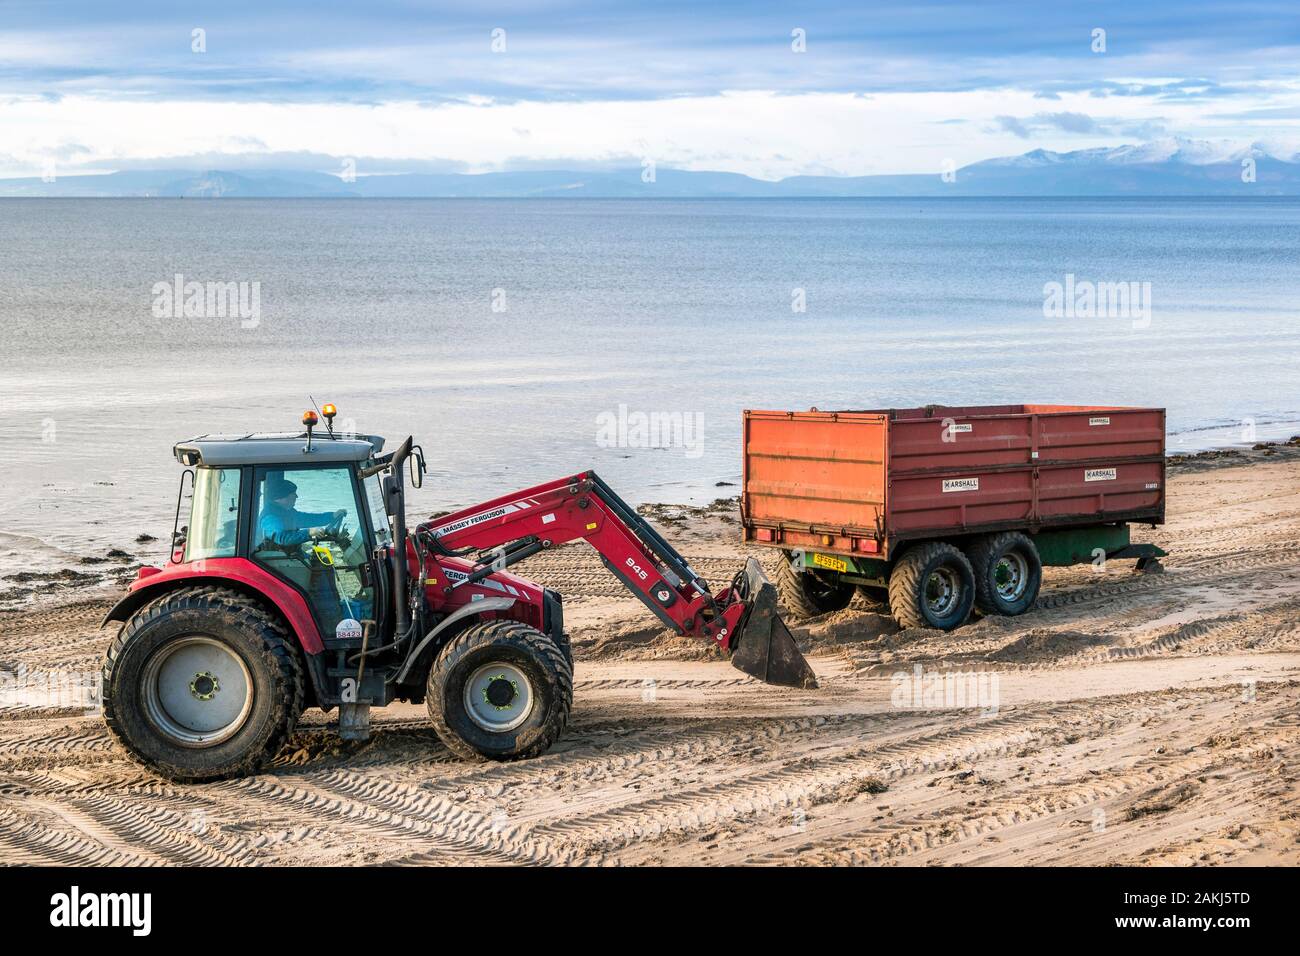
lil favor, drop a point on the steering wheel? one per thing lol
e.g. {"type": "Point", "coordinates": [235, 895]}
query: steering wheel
{"type": "Point", "coordinates": [340, 534]}
{"type": "Point", "coordinates": [334, 531]}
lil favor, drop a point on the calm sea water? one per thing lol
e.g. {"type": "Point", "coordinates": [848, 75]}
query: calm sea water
{"type": "Point", "coordinates": [498, 331]}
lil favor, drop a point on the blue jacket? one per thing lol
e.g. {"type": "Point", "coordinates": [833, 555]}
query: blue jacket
{"type": "Point", "coordinates": [287, 527]}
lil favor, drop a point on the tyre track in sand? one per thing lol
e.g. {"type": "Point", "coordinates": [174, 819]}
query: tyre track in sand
{"type": "Point", "coordinates": [789, 782]}
{"type": "Point", "coordinates": [442, 826]}
{"type": "Point", "coordinates": [1276, 627]}
{"type": "Point", "coordinates": [1092, 798]}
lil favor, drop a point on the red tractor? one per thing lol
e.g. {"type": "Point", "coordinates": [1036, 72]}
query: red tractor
{"type": "Point", "coordinates": [267, 608]}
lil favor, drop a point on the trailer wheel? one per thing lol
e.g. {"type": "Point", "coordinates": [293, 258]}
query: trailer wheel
{"type": "Point", "coordinates": [1008, 573]}
{"type": "Point", "coordinates": [202, 684]}
{"type": "Point", "coordinates": [807, 594]}
{"type": "Point", "coordinates": [500, 690]}
{"type": "Point", "coordinates": [931, 585]}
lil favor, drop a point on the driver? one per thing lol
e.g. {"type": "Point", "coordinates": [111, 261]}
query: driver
{"type": "Point", "coordinates": [283, 525]}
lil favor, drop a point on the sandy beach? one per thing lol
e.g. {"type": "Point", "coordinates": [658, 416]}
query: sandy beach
{"type": "Point", "coordinates": [1138, 719]}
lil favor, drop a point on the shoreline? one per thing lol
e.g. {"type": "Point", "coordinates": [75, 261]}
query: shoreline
{"type": "Point", "coordinates": [79, 581]}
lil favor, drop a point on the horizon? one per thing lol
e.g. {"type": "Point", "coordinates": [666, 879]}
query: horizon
{"type": "Point", "coordinates": [1226, 153]}
{"type": "Point", "coordinates": [1174, 167]}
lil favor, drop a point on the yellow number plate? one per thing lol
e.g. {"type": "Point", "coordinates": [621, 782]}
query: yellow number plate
{"type": "Point", "coordinates": [835, 564]}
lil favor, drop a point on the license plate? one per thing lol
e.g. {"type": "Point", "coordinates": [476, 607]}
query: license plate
{"type": "Point", "coordinates": [835, 564]}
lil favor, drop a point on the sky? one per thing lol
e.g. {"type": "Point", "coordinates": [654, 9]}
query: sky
{"type": "Point", "coordinates": [765, 89]}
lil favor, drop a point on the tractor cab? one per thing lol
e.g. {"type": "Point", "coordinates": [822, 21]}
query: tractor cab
{"type": "Point", "coordinates": [308, 509]}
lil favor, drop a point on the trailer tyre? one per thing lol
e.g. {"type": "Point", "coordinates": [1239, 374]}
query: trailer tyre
{"type": "Point", "coordinates": [1008, 573]}
{"type": "Point", "coordinates": [500, 690]}
{"type": "Point", "coordinates": [806, 594]}
{"type": "Point", "coordinates": [202, 684]}
{"type": "Point", "coordinates": [931, 585]}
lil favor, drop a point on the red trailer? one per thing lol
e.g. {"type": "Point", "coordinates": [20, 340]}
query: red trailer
{"type": "Point", "coordinates": [948, 508]}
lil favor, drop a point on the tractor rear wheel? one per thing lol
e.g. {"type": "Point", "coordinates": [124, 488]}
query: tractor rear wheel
{"type": "Point", "coordinates": [805, 594]}
{"type": "Point", "coordinates": [1008, 573]}
{"type": "Point", "coordinates": [931, 585]}
{"type": "Point", "coordinates": [500, 690]}
{"type": "Point", "coordinates": [202, 684]}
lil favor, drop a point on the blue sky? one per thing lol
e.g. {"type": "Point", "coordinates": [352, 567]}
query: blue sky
{"type": "Point", "coordinates": [881, 87]}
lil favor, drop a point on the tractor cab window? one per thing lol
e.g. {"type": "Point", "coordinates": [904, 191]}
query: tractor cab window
{"type": "Point", "coordinates": [214, 514]}
{"type": "Point", "coordinates": [308, 531]}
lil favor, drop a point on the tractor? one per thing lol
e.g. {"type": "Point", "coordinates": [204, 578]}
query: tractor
{"type": "Point", "coordinates": [296, 583]}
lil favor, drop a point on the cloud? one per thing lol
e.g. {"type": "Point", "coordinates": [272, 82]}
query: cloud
{"type": "Point", "coordinates": [1069, 122]}
{"type": "Point", "coordinates": [388, 50]}
{"type": "Point", "coordinates": [1079, 124]}
{"type": "Point", "coordinates": [892, 89]}
{"type": "Point", "coordinates": [1012, 125]}
{"type": "Point", "coordinates": [766, 134]}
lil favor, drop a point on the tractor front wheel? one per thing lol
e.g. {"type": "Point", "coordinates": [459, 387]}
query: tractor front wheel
{"type": "Point", "coordinates": [202, 684]}
{"type": "Point", "coordinates": [500, 690]}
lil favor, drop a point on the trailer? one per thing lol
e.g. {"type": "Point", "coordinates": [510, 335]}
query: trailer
{"type": "Point", "coordinates": [946, 509]}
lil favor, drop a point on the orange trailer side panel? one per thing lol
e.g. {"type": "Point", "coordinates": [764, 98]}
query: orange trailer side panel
{"type": "Point", "coordinates": [858, 482]}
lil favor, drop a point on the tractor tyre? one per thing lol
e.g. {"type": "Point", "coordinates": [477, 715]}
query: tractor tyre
{"type": "Point", "coordinates": [500, 690]}
{"type": "Point", "coordinates": [807, 594]}
{"type": "Point", "coordinates": [931, 585]}
{"type": "Point", "coordinates": [1008, 573]}
{"type": "Point", "coordinates": [202, 684]}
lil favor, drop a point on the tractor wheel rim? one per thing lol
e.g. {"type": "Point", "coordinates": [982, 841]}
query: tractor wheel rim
{"type": "Point", "coordinates": [197, 691]}
{"type": "Point", "coordinates": [1011, 576]}
{"type": "Point", "coordinates": [941, 591]}
{"type": "Point", "coordinates": [498, 697]}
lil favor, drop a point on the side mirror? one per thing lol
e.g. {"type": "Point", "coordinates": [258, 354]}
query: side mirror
{"type": "Point", "coordinates": [417, 467]}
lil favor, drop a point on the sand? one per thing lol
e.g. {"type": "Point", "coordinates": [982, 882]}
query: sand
{"type": "Point", "coordinates": [1128, 719]}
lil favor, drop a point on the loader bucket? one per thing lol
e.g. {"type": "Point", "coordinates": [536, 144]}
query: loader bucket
{"type": "Point", "coordinates": [764, 648]}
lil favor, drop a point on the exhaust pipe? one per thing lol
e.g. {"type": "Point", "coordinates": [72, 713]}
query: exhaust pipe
{"type": "Point", "coordinates": [764, 647]}
{"type": "Point", "coordinates": [397, 508]}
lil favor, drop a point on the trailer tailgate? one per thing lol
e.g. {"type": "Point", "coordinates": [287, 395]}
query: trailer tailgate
{"type": "Point", "coordinates": [813, 474]}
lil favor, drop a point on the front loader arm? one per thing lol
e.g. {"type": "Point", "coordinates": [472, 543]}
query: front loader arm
{"type": "Point", "coordinates": [583, 507]}
{"type": "Point", "coordinates": [740, 618]}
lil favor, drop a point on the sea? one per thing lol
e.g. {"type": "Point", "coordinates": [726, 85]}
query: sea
{"type": "Point", "coordinates": [523, 340]}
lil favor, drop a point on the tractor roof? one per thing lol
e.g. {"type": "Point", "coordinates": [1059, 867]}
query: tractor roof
{"type": "Point", "coordinates": [258, 448]}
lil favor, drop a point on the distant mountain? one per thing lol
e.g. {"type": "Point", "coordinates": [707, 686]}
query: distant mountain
{"type": "Point", "coordinates": [1173, 167]}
